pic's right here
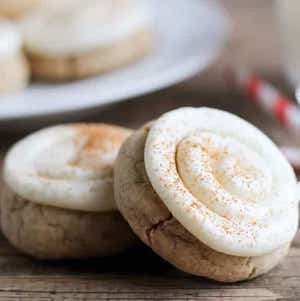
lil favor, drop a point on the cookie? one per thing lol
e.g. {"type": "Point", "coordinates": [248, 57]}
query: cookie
{"type": "Point", "coordinates": [167, 231]}
{"type": "Point", "coordinates": [95, 62]}
{"type": "Point", "coordinates": [73, 40]}
{"type": "Point", "coordinates": [58, 201]}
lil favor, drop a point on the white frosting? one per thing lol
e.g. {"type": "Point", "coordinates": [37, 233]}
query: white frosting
{"type": "Point", "coordinates": [66, 166]}
{"type": "Point", "coordinates": [223, 180]}
{"type": "Point", "coordinates": [10, 39]}
{"type": "Point", "coordinates": [73, 26]}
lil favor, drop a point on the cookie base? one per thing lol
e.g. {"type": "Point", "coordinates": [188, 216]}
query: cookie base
{"type": "Point", "coordinates": [154, 224]}
{"type": "Point", "coordinates": [47, 233]}
{"type": "Point", "coordinates": [96, 62]}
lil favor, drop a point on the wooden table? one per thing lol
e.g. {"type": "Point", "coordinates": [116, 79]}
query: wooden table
{"type": "Point", "coordinates": [141, 275]}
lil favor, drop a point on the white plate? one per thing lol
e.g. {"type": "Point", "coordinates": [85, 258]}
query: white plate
{"type": "Point", "coordinates": [189, 35]}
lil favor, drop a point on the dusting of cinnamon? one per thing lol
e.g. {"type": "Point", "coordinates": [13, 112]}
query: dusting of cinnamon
{"type": "Point", "coordinates": [99, 143]}
{"type": "Point", "coordinates": [101, 136]}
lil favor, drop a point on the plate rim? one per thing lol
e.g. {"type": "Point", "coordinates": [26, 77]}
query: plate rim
{"type": "Point", "coordinates": [191, 66]}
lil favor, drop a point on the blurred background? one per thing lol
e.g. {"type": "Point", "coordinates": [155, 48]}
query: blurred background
{"type": "Point", "coordinates": [253, 42]}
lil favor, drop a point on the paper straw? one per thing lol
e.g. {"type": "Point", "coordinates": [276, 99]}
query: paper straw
{"type": "Point", "coordinates": [273, 102]}
{"type": "Point", "coordinates": [270, 99]}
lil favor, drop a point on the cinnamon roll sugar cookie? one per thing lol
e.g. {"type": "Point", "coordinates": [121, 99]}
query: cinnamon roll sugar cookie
{"type": "Point", "coordinates": [58, 196]}
{"type": "Point", "coordinates": [14, 69]}
{"type": "Point", "coordinates": [75, 39]}
{"type": "Point", "coordinates": [208, 192]}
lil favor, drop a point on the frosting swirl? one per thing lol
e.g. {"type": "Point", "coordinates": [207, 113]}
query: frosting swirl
{"type": "Point", "coordinates": [10, 39]}
{"type": "Point", "coordinates": [223, 180]}
{"type": "Point", "coordinates": [67, 166]}
{"type": "Point", "coordinates": [68, 27]}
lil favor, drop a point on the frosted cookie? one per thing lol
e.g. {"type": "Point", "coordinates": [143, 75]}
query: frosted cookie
{"type": "Point", "coordinates": [209, 193]}
{"type": "Point", "coordinates": [75, 39]}
{"type": "Point", "coordinates": [16, 8]}
{"type": "Point", "coordinates": [58, 198]}
{"type": "Point", "coordinates": [14, 69]}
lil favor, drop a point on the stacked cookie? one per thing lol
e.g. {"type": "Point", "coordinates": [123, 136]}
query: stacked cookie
{"type": "Point", "coordinates": [208, 192]}
{"type": "Point", "coordinates": [68, 40]}
{"type": "Point", "coordinates": [213, 201]}
{"type": "Point", "coordinates": [76, 39]}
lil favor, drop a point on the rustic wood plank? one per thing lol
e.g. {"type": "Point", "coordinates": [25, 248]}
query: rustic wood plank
{"type": "Point", "coordinates": [135, 276]}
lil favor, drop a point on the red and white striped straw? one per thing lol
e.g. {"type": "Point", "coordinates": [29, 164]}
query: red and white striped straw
{"type": "Point", "coordinates": [269, 99]}
{"type": "Point", "coordinates": [273, 102]}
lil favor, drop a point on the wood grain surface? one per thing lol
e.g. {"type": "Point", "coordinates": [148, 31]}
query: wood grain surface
{"type": "Point", "coordinates": [140, 274]}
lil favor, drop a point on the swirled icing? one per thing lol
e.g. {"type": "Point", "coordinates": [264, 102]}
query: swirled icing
{"type": "Point", "coordinates": [68, 27]}
{"type": "Point", "coordinates": [223, 180]}
{"type": "Point", "coordinates": [67, 166]}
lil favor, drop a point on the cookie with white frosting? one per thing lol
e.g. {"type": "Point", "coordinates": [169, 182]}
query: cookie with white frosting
{"type": "Point", "coordinates": [208, 192]}
{"type": "Point", "coordinates": [58, 197]}
{"type": "Point", "coordinates": [14, 69]}
{"type": "Point", "coordinates": [17, 8]}
{"type": "Point", "coordinates": [68, 40]}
